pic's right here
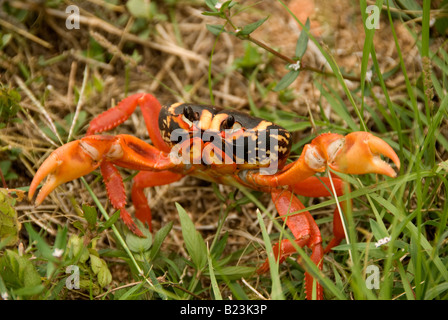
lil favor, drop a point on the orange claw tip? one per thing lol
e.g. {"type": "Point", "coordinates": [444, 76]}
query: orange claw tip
{"type": "Point", "coordinates": [45, 169]}
{"type": "Point", "coordinates": [361, 153]}
{"type": "Point", "coordinates": [379, 146]}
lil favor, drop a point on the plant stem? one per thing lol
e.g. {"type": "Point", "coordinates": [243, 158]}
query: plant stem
{"type": "Point", "coordinates": [267, 48]}
{"type": "Point", "coordinates": [287, 59]}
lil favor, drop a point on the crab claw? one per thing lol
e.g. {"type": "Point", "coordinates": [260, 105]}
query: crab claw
{"type": "Point", "coordinates": [360, 153]}
{"type": "Point", "coordinates": [71, 161]}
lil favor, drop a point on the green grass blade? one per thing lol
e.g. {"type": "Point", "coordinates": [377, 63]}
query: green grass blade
{"type": "Point", "coordinates": [276, 293]}
{"type": "Point", "coordinates": [193, 240]}
{"type": "Point", "coordinates": [215, 287]}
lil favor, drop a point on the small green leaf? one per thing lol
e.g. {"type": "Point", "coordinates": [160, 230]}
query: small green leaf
{"type": "Point", "coordinates": [158, 239]}
{"type": "Point", "coordinates": [18, 271]}
{"type": "Point", "coordinates": [219, 246]}
{"type": "Point", "coordinates": [90, 286]}
{"type": "Point", "coordinates": [9, 224]}
{"type": "Point", "coordinates": [43, 248]}
{"type": "Point", "coordinates": [302, 42]}
{"type": "Point", "coordinates": [193, 241]}
{"type": "Point", "coordinates": [79, 225]}
{"type": "Point", "coordinates": [95, 263]}
{"type": "Point", "coordinates": [8, 174]}
{"type": "Point", "coordinates": [77, 250]}
{"type": "Point", "coordinates": [211, 4]}
{"type": "Point", "coordinates": [9, 103]}
{"type": "Point", "coordinates": [90, 215]}
{"type": "Point", "coordinates": [138, 244]}
{"type": "Point", "coordinates": [227, 5]}
{"type": "Point", "coordinates": [246, 30]}
{"type": "Point", "coordinates": [4, 40]}
{"type": "Point", "coordinates": [104, 276]}
{"type": "Point", "coordinates": [216, 29]}
{"type": "Point", "coordinates": [111, 221]}
{"type": "Point", "coordinates": [287, 80]}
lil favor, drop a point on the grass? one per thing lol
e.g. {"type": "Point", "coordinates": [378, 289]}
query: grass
{"type": "Point", "coordinates": [209, 239]}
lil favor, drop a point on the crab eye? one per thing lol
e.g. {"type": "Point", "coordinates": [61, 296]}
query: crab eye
{"type": "Point", "coordinates": [228, 123]}
{"type": "Point", "coordinates": [231, 124]}
{"type": "Point", "coordinates": [188, 115]}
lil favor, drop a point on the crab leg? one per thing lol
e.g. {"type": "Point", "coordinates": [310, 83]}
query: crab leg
{"type": "Point", "coordinates": [305, 231]}
{"type": "Point", "coordinates": [321, 187]}
{"type": "Point", "coordinates": [145, 179]}
{"type": "Point", "coordinates": [81, 157]}
{"type": "Point", "coordinates": [113, 117]}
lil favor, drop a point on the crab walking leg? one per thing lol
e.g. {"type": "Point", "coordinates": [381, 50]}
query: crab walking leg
{"type": "Point", "coordinates": [115, 116]}
{"type": "Point", "coordinates": [117, 194]}
{"type": "Point", "coordinates": [305, 231]}
{"type": "Point", "coordinates": [145, 179]}
{"type": "Point", "coordinates": [321, 187]}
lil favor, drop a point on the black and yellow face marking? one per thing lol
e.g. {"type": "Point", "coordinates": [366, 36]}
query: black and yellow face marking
{"type": "Point", "coordinates": [249, 141]}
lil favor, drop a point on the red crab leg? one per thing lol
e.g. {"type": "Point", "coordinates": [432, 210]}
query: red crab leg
{"type": "Point", "coordinates": [117, 195]}
{"type": "Point", "coordinates": [321, 187]}
{"type": "Point", "coordinates": [113, 117]}
{"type": "Point", "coordinates": [81, 157]}
{"type": "Point", "coordinates": [145, 179]}
{"type": "Point", "coordinates": [305, 231]}
{"type": "Point", "coordinates": [356, 153]}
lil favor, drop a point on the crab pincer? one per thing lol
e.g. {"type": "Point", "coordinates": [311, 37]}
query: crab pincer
{"type": "Point", "coordinates": [73, 160]}
{"type": "Point", "coordinates": [78, 158]}
{"type": "Point", "coordinates": [360, 153]}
